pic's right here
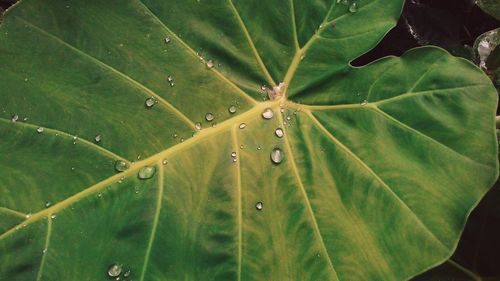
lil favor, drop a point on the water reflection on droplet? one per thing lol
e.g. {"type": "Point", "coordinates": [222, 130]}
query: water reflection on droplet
{"type": "Point", "coordinates": [146, 172]}
{"type": "Point", "coordinates": [277, 155]}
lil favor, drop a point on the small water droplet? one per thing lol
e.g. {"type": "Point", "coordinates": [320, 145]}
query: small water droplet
{"type": "Point", "coordinates": [209, 117]}
{"type": "Point", "coordinates": [259, 147]}
{"type": "Point", "coordinates": [146, 172]}
{"type": "Point", "coordinates": [268, 113]}
{"type": "Point", "coordinates": [44, 251]}
{"type": "Point", "coordinates": [150, 102]}
{"type": "Point", "coordinates": [277, 155]}
{"type": "Point", "coordinates": [28, 216]}
{"type": "Point", "coordinates": [210, 63]}
{"type": "Point", "coordinates": [53, 216]}
{"type": "Point", "coordinates": [288, 118]}
{"type": "Point", "coordinates": [197, 126]}
{"type": "Point", "coordinates": [14, 118]}
{"type": "Point", "coordinates": [259, 206]}
{"type": "Point", "coordinates": [365, 102]}
{"type": "Point", "coordinates": [243, 126]}
{"type": "Point", "coordinates": [99, 195]}
{"type": "Point", "coordinates": [233, 154]}
{"type": "Point", "coordinates": [121, 165]}
{"type": "Point", "coordinates": [164, 161]}
{"type": "Point", "coordinates": [279, 132]}
{"type": "Point", "coordinates": [232, 109]}
{"type": "Point", "coordinates": [48, 204]}
{"type": "Point", "coordinates": [353, 8]}
{"type": "Point", "coordinates": [40, 130]}
{"type": "Point", "coordinates": [126, 273]}
{"type": "Point", "coordinates": [241, 146]}
{"type": "Point", "coordinates": [98, 138]}
{"type": "Point", "coordinates": [168, 39]}
{"type": "Point", "coordinates": [114, 270]}
{"type": "Point", "coordinates": [263, 88]}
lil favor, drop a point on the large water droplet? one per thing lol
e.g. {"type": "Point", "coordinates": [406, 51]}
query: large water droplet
{"type": "Point", "coordinates": [146, 172]}
{"type": "Point", "coordinates": [209, 117]}
{"type": "Point", "coordinates": [277, 155]}
{"type": "Point", "coordinates": [121, 165]}
{"type": "Point", "coordinates": [232, 109]}
{"type": "Point", "coordinates": [353, 8]}
{"type": "Point", "coordinates": [150, 102]}
{"type": "Point", "coordinates": [268, 113]}
{"type": "Point", "coordinates": [40, 130]}
{"type": "Point", "coordinates": [114, 270]}
{"type": "Point", "coordinates": [279, 132]}
{"type": "Point", "coordinates": [259, 206]}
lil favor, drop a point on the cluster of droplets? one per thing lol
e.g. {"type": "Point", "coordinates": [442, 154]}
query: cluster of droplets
{"type": "Point", "coordinates": [115, 271]}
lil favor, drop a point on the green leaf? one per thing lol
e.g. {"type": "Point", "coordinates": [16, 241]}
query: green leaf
{"type": "Point", "coordinates": [382, 164]}
{"type": "Point", "coordinates": [491, 7]}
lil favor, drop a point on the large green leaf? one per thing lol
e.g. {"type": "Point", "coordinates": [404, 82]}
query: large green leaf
{"type": "Point", "coordinates": [382, 164]}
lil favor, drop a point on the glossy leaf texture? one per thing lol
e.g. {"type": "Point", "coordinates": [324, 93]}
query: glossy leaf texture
{"type": "Point", "coordinates": [381, 164]}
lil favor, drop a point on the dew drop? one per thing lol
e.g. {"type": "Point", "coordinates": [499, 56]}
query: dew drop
{"type": "Point", "coordinates": [268, 113]}
{"type": "Point", "coordinates": [365, 102]}
{"type": "Point", "coordinates": [48, 204]}
{"type": "Point", "coordinates": [114, 270]}
{"type": "Point", "coordinates": [121, 165]}
{"type": "Point", "coordinates": [259, 147]}
{"type": "Point", "coordinates": [146, 172]}
{"type": "Point", "coordinates": [14, 118]}
{"type": "Point", "coordinates": [168, 39]}
{"type": "Point", "coordinates": [243, 126]}
{"type": "Point", "coordinates": [150, 102]}
{"type": "Point", "coordinates": [99, 195]}
{"type": "Point", "coordinates": [170, 79]}
{"type": "Point", "coordinates": [210, 63]}
{"type": "Point", "coordinates": [40, 130]}
{"type": "Point", "coordinates": [53, 216]}
{"type": "Point", "coordinates": [263, 88]}
{"type": "Point", "coordinates": [259, 206]}
{"type": "Point", "coordinates": [126, 273]}
{"type": "Point", "coordinates": [353, 8]}
{"type": "Point", "coordinates": [277, 155]}
{"type": "Point", "coordinates": [209, 117]}
{"type": "Point", "coordinates": [241, 146]}
{"type": "Point", "coordinates": [279, 132]}
{"type": "Point", "coordinates": [233, 154]}
{"type": "Point", "coordinates": [232, 109]}
{"type": "Point", "coordinates": [197, 126]}
{"type": "Point", "coordinates": [98, 138]}
{"type": "Point", "coordinates": [28, 216]}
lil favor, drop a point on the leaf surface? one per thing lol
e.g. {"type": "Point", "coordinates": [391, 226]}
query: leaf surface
{"type": "Point", "coordinates": [382, 164]}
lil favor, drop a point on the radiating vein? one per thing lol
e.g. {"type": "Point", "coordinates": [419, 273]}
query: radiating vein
{"type": "Point", "coordinates": [261, 64]}
{"type": "Point", "coordinates": [155, 220]}
{"type": "Point", "coordinates": [45, 249]}
{"type": "Point", "coordinates": [13, 212]}
{"type": "Point", "coordinates": [371, 172]}
{"type": "Point", "coordinates": [56, 132]}
{"type": "Point", "coordinates": [310, 211]}
{"type": "Point", "coordinates": [294, 25]}
{"type": "Point", "coordinates": [120, 74]}
{"type": "Point", "coordinates": [193, 52]}
{"type": "Point", "coordinates": [239, 203]}
{"type": "Point", "coordinates": [417, 132]}
{"type": "Point", "coordinates": [429, 69]}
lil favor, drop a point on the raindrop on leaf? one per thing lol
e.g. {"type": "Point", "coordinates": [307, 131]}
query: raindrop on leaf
{"type": "Point", "coordinates": [277, 155]}
{"type": "Point", "coordinates": [146, 172]}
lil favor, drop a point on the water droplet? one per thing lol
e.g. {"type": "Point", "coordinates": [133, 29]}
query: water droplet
{"type": "Point", "coordinates": [164, 161]}
{"type": "Point", "coordinates": [210, 63]}
{"type": "Point", "coordinates": [99, 195]}
{"type": "Point", "coordinates": [40, 130]}
{"type": "Point", "coordinates": [365, 102]}
{"type": "Point", "coordinates": [170, 79]}
{"type": "Point", "coordinates": [98, 138]}
{"type": "Point", "coordinates": [209, 117]}
{"type": "Point", "coordinates": [279, 132]}
{"type": "Point", "coordinates": [241, 146]}
{"type": "Point", "coordinates": [149, 102]}
{"type": "Point", "coordinates": [126, 273]}
{"type": "Point", "coordinates": [263, 88]}
{"type": "Point", "coordinates": [146, 172]}
{"type": "Point", "coordinates": [121, 165]}
{"type": "Point", "coordinates": [114, 270]}
{"type": "Point", "coordinates": [259, 206]}
{"type": "Point", "coordinates": [232, 109]}
{"type": "Point", "coordinates": [353, 8]}
{"type": "Point", "coordinates": [197, 126]}
{"type": "Point", "coordinates": [53, 216]}
{"type": "Point", "coordinates": [48, 204]}
{"type": "Point", "coordinates": [268, 113]}
{"type": "Point", "coordinates": [288, 118]}
{"type": "Point", "coordinates": [168, 39]}
{"type": "Point", "coordinates": [277, 155]}
{"type": "Point", "coordinates": [44, 251]}
{"type": "Point", "coordinates": [259, 147]}
{"type": "Point", "coordinates": [14, 118]}
{"type": "Point", "coordinates": [243, 126]}
{"type": "Point", "coordinates": [28, 216]}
